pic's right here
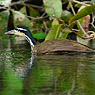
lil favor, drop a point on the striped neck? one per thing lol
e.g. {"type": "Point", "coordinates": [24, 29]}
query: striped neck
{"type": "Point", "coordinates": [30, 42]}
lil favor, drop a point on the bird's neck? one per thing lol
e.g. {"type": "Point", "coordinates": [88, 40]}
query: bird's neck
{"type": "Point", "coordinates": [30, 42]}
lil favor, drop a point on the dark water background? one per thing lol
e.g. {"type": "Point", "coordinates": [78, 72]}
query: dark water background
{"type": "Point", "coordinates": [66, 74]}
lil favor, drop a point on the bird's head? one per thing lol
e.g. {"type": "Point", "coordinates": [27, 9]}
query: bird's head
{"type": "Point", "coordinates": [23, 31]}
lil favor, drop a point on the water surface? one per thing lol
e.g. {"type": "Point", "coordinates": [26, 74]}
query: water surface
{"type": "Point", "coordinates": [66, 74]}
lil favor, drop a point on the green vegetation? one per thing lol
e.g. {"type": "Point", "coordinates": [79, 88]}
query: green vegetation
{"type": "Point", "coordinates": [48, 19]}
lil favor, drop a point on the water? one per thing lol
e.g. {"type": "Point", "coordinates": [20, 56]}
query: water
{"type": "Point", "coordinates": [67, 74]}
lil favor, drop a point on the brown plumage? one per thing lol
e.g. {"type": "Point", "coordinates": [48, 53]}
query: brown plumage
{"type": "Point", "coordinates": [60, 46]}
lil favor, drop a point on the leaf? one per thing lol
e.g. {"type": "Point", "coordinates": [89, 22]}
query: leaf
{"type": "Point", "coordinates": [54, 32]}
{"type": "Point", "coordinates": [21, 19]}
{"type": "Point", "coordinates": [18, 15]}
{"type": "Point", "coordinates": [66, 15]}
{"type": "Point", "coordinates": [92, 0]}
{"type": "Point", "coordinates": [64, 35]}
{"type": "Point", "coordinates": [39, 35]}
{"type": "Point", "coordinates": [23, 10]}
{"type": "Point", "coordinates": [55, 22]}
{"type": "Point", "coordinates": [53, 7]}
{"type": "Point", "coordinates": [5, 3]}
{"type": "Point", "coordinates": [33, 12]}
{"type": "Point", "coordinates": [83, 41]}
{"type": "Point", "coordinates": [82, 13]}
{"type": "Point", "coordinates": [85, 21]}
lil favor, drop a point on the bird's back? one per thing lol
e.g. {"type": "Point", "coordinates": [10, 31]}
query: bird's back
{"type": "Point", "coordinates": [61, 45]}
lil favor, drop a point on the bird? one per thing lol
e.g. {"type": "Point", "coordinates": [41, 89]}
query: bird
{"type": "Point", "coordinates": [53, 46]}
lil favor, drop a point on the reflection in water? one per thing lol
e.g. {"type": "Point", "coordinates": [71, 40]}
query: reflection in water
{"type": "Point", "coordinates": [10, 83]}
{"type": "Point", "coordinates": [67, 74]}
{"type": "Point", "coordinates": [61, 75]}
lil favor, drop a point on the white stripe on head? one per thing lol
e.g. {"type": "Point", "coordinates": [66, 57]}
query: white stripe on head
{"type": "Point", "coordinates": [21, 29]}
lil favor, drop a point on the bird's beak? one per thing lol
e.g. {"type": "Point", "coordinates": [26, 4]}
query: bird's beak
{"type": "Point", "coordinates": [11, 32]}
{"type": "Point", "coordinates": [15, 32]}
